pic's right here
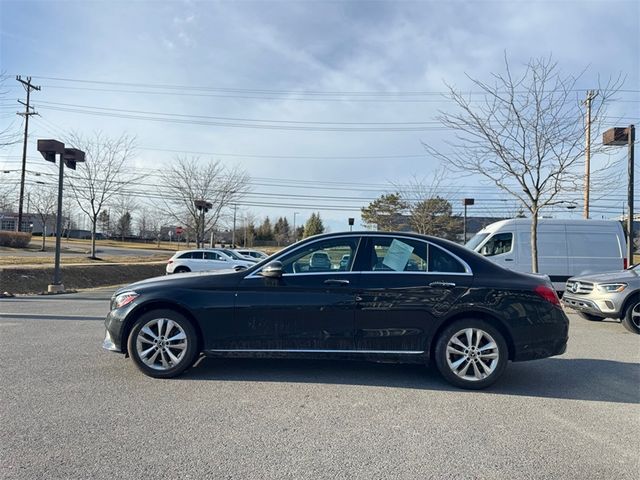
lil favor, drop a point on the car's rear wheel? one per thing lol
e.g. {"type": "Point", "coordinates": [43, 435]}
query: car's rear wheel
{"type": "Point", "coordinates": [181, 270]}
{"type": "Point", "coordinates": [163, 343]}
{"type": "Point", "coordinates": [471, 354]}
{"type": "Point", "coordinates": [590, 317]}
{"type": "Point", "coordinates": [631, 319]}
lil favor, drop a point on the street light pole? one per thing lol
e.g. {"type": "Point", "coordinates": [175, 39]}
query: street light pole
{"type": "Point", "coordinates": [295, 232]}
{"type": "Point", "coordinates": [625, 136]}
{"type": "Point", "coordinates": [68, 157]}
{"type": "Point", "coordinates": [465, 202]}
{"type": "Point", "coordinates": [233, 233]}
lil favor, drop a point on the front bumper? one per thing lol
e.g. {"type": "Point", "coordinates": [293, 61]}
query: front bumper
{"type": "Point", "coordinates": [114, 323]}
{"type": "Point", "coordinates": [595, 306]}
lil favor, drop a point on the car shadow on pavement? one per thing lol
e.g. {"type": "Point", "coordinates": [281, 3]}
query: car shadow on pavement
{"type": "Point", "coordinates": [568, 378]}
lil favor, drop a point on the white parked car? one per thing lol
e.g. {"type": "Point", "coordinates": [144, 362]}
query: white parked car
{"type": "Point", "coordinates": [203, 260]}
{"type": "Point", "coordinates": [255, 254]}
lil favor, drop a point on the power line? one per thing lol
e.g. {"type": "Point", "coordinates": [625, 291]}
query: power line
{"type": "Point", "coordinates": [279, 92]}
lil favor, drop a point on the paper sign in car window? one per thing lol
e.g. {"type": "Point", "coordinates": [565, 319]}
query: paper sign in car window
{"type": "Point", "coordinates": [397, 256]}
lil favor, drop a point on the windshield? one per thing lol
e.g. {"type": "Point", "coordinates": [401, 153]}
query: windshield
{"type": "Point", "coordinates": [477, 239]}
{"type": "Point", "coordinates": [232, 254]}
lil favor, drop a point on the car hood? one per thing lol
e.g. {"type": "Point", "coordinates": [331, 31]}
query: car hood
{"type": "Point", "coordinates": [619, 276]}
{"type": "Point", "coordinates": [187, 280]}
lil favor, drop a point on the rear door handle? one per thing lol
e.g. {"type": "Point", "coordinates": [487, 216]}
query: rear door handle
{"type": "Point", "coordinates": [442, 285]}
{"type": "Point", "coordinates": [334, 281]}
{"type": "Point", "coordinates": [508, 259]}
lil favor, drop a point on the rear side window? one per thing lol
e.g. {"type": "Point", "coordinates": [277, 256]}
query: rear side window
{"type": "Point", "coordinates": [409, 255]}
{"type": "Point", "coordinates": [194, 255]}
{"type": "Point", "coordinates": [212, 256]}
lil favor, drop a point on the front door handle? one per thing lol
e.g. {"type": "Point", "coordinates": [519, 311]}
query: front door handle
{"type": "Point", "coordinates": [442, 285]}
{"type": "Point", "coordinates": [334, 281]}
{"type": "Point", "coordinates": [508, 259]}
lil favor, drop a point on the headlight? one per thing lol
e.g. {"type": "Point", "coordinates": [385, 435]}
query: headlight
{"type": "Point", "coordinates": [123, 299]}
{"type": "Point", "coordinates": [611, 287]}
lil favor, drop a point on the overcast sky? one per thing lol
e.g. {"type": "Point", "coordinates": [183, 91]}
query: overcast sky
{"type": "Point", "coordinates": [294, 85]}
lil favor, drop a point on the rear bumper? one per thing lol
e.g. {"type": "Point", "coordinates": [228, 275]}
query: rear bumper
{"type": "Point", "coordinates": [545, 336]}
{"type": "Point", "coordinates": [538, 350]}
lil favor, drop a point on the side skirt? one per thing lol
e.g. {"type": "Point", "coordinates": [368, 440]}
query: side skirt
{"type": "Point", "coordinates": [362, 355]}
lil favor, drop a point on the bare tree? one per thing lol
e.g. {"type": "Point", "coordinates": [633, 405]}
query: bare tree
{"type": "Point", "coordinates": [7, 201]}
{"type": "Point", "coordinates": [429, 205]}
{"type": "Point", "coordinates": [45, 202]}
{"type": "Point", "coordinates": [104, 174]}
{"type": "Point", "coordinates": [527, 134]}
{"type": "Point", "coordinates": [9, 134]}
{"type": "Point", "coordinates": [190, 179]}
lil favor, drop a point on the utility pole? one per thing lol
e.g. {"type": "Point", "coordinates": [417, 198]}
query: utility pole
{"type": "Point", "coordinates": [591, 94]}
{"type": "Point", "coordinates": [631, 138]}
{"type": "Point", "coordinates": [27, 113]}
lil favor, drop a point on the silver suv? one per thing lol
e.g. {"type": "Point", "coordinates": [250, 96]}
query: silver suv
{"type": "Point", "coordinates": [607, 295]}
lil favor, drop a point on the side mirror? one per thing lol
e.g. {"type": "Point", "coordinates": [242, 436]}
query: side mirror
{"type": "Point", "coordinates": [273, 270]}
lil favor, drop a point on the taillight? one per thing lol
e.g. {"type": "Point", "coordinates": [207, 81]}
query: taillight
{"type": "Point", "coordinates": [548, 293]}
{"type": "Point", "coordinates": [625, 263]}
{"type": "Point", "coordinates": [170, 262]}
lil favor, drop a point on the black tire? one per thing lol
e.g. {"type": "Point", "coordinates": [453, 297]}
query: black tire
{"type": "Point", "coordinates": [182, 270]}
{"type": "Point", "coordinates": [171, 356]}
{"type": "Point", "coordinates": [590, 317]}
{"type": "Point", "coordinates": [478, 359]}
{"type": "Point", "coordinates": [631, 319]}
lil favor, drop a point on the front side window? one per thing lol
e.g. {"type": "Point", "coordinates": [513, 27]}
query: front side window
{"type": "Point", "coordinates": [322, 256]}
{"type": "Point", "coordinates": [499, 243]}
{"type": "Point", "coordinates": [410, 255]}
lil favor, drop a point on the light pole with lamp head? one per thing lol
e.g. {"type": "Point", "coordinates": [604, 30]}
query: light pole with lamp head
{"type": "Point", "coordinates": [203, 207]}
{"type": "Point", "coordinates": [625, 136]}
{"type": "Point", "coordinates": [69, 157]}
{"type": "Point", "coordinates": [466, 202]}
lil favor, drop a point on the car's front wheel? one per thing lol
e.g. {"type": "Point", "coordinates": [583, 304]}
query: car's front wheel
{"type": "Point", "coordinates": [471, 354]}
{"type": "Point", "coordinates": [163, 343]}
{"type": "Point", "coordinates": [631, 319]}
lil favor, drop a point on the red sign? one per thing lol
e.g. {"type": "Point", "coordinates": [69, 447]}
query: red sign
{"type": "Point", "coordinates": [179, 230]}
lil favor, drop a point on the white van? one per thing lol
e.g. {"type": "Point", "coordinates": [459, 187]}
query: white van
{"type": "Point", "coordinates": [565, 247]}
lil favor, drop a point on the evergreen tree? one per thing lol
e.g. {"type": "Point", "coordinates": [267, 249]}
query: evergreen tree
{"type": "Point", "coordinates": [281, 231]}
{"type": "Point", "coordinates": [265, 231]}
{"type": "Point", "coordinates": [385, 213]}
{"type": "Point", "coordinates": [124, 225]}
{"type": "Point", "coordinates": [434, 216]}
{"type": "Point", "coordinates": [314, 225]}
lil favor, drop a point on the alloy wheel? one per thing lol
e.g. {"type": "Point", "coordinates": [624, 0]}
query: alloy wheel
{"type": "Point", "coordinates": [635, 315]}
{"type": "Point", "coordinates": [472, 354]}
{"type": "Point", "coordinates": [161, 344]}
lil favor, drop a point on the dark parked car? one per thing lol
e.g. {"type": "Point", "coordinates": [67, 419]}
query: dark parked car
{"type": "Point", "coordinates": [405, 298]}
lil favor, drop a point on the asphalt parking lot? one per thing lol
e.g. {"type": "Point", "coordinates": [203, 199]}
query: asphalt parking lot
{"type": "Point", "coordinates": [71, 410]}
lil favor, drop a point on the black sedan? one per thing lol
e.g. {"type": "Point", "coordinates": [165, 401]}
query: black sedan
{"type": "Point", "coordinates": [377, 296]}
